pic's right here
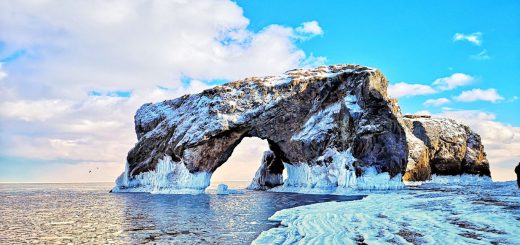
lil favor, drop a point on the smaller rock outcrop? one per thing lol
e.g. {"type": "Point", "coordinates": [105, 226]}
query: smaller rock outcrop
{"type": "Point", "coordinates": [446, 147]}
{"type": "Point", "coordinates": [269, 174]}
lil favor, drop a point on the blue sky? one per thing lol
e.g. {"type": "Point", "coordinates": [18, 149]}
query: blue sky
{"type": "Point", "coordinates": [73, 73]}
{"type": "Point", "coordinates": [412, 41]}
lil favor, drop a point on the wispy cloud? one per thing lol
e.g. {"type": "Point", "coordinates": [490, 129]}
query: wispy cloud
{"type": "Point", "coordinates": [490, 95]}
{"type": "Point", "coordinates": [475, 38]}
{"type": "Point", "coordinates": [483, 55]}
{"type": "Point", "coordinates": [436, 102]}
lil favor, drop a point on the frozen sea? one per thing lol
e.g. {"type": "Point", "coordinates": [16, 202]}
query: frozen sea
{"type": "Point", "coordinates": [445, 211]}
{"type": "Point", "coordinates": [87, 213]}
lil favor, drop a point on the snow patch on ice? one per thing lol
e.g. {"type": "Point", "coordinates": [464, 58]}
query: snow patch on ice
{"type": "Point", "coordinates": [481, 214]}
{"type": "Point", "coordinates": [169, 177]}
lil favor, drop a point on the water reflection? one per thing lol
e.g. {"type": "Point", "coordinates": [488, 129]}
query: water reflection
{"type": "Point", "coordinates": [87, 213]}
{"type": "Point", "coordinates": [236, 219]}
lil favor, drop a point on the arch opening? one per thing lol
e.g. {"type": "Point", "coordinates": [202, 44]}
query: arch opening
{"type": "Point", "coordinates": [251, 161]}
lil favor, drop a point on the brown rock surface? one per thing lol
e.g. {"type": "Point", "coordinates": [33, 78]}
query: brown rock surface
{"type": "Point", "coordinates": [453, 149]}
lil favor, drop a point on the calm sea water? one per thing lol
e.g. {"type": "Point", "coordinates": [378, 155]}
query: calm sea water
{"type": "Point", "coordinates": [87, 213]}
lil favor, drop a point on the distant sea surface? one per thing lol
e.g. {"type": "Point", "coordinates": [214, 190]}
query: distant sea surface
{"type": "Point", "coordinates": [88, 213]}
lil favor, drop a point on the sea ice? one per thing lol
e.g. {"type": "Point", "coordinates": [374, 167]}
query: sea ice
{"type": "Point", "coordinates": [483, 212]}
{"type": "Point", "coordinates": [223, 189]}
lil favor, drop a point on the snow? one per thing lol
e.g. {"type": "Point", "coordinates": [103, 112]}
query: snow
{"type": "Point", "coordinates": [351, 103]}
{"type": "Point", "coordinates": [318, 125]}
{"type": "Point", "coordinates": [277, 80]}
{"type": "Point", "coordinates": [483, 212]}
{"type": "Point", "coordinates": [337, 177]}
{"type": "Point", "coordinates": [169, 177]}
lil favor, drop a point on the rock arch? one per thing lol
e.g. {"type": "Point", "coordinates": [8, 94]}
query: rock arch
{"type": "Point", "coordinates": [332, 126]}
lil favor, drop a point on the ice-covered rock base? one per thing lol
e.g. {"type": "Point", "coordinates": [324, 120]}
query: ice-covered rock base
{"type": "Point", "coordinates": [169, 177]}
{"type": "Point", "coordinates": [481, 212]}
{"type": "Point", "coordinates": [337, 177]}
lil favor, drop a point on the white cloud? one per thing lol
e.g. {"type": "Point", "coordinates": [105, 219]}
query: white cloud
{"type": "Point", "coordinates": [475, 38]}
{"type": "Point", "coordinates": [483, 55]}
{"type": "Point", "coordinates": [453, 81]}
{"type": "Point", "coordinates": [490, 95]}
{"type": "Point", "coordinates": [311, 27]}
{"type": "Point", "coordinates": [78, 129]}
{"type": "Point", "coordinates": [30, 110]}
{"type": "Point", "coordinates": [501, 141]}
{"type": "Point", "coordinates": [124, 44]}
{"type": "Point", "coordinates": [75, 47]}
{"type": "Point", "coordinates": [436, 102]}
{"type": "Point", "coordinates": [403, 89]}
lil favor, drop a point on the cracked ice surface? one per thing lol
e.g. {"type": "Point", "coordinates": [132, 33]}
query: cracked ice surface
{"type": "Point", "coordinates": [447, 210]}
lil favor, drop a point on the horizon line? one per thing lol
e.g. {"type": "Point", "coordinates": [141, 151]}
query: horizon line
{"type": "Point", "coordinates": [93, 182]}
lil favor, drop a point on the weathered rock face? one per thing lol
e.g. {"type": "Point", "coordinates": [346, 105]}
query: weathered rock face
{"type": "Point", "coordinates": [452, 148]}
{"type": "Point", "coordinates": [328, 125]}
{"type": "Point", "coordinates": [269, 174]}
